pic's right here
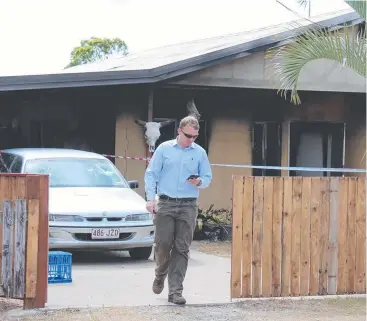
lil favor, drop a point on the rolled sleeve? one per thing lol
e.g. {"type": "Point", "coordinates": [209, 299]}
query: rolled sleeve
{"type": "Point", "coordinates": [205, 171]}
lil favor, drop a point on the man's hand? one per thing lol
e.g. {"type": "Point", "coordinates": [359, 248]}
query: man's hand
{"type": "Point", "coordinates": [151, 206]}
{"type": "Point", "coordinates": [195, 181]}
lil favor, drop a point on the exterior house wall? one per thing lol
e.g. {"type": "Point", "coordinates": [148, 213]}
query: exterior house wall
{"type": "Point", "coordinates": [130, 141]}
{"type": "Point", "coordinates": [230, 143]}
{"type": "Point", "coordinates": [252, 72]}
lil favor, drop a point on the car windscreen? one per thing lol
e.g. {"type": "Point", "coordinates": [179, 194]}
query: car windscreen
{"type": "Point", "coordinates": [77, 172]}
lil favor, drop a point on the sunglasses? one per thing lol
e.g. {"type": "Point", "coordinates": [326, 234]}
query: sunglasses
{"type": "Point", "coordinates": [190, 136]}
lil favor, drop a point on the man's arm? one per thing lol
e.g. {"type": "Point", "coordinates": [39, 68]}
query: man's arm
{"type": "Point", "coordinates": [205, 171]}
{"type": "Point", "coordinates": [152, 173]}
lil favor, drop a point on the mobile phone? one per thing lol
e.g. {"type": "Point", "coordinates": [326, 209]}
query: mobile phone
{"type": "Point", "coordinates": [193, 177]}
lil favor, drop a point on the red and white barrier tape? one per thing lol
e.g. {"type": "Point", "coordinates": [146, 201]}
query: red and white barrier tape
{"type": "Point", "coordinates": [127, 157]}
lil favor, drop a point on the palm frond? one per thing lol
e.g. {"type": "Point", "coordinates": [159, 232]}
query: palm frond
{"type": "Point", "coordinates": [303, 3]}
{"type": "Point", "coordinates": [359, 6]}
{"type": "Point", "coordinates": [346, 46]}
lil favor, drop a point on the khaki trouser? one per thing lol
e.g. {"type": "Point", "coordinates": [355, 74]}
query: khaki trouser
{"type": "Point", "coordinates": [175, 223]}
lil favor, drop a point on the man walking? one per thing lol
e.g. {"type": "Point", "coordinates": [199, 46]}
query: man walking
{"type": "Point", "coordinates": [169, 175]}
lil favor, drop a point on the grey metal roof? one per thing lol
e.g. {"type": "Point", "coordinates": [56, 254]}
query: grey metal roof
{"type": "Point", "coordinates": [34, 153]}
{"type": "Point", "coordinates": [163, 63]}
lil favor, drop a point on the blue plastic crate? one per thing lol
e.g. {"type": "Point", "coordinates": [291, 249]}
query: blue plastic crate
{"type": "Point", "coordinates": [59, 267]}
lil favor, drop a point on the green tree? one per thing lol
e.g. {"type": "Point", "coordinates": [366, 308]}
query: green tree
{"type": "Point", "coordinates": [348, 49]}
{"type": "Point", "coordinates": [94, 49]}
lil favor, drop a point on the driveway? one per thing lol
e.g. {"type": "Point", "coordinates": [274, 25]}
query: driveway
{"type": "Point", "coordinates": [114, 279]}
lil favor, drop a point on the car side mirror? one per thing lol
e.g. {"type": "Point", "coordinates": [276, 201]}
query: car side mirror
{"type": "Point", "coordinates": [133, 184]}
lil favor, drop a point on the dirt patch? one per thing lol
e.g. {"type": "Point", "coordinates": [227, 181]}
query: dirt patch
{"type": "Point", "coordinates": [9, 304]}
{"type": "Point", "coordinates": [254, 310]}
{"type": "Point", "coordinates": [222, 249]}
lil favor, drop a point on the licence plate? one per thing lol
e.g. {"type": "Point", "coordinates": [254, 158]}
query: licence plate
{"type": "Point", "coordinates": [105, 233]}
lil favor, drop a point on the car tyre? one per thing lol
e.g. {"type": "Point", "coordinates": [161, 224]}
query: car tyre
{"type": "Point", "coordinates": [140, 253]}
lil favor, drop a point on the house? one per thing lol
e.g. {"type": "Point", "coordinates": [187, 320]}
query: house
{"type": "Point", "coordinates": [244, 120]}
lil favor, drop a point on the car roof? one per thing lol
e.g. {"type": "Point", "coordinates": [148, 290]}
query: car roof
{"type": "Point", "coordinates": [32, 153]}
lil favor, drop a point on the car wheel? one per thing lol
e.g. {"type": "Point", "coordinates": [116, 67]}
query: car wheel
{"type": "Point", "coordinates": [140, 253]}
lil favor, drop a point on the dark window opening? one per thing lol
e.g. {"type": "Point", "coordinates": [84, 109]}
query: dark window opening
{"type": "Point", "coordinates": [317, 144]}
{"type": "Point", "coordinates": [266, 148]}
{"type": "Point", "coordinates": [168, 132]}
{"type": "Point", "coordinates": [202, 139]}
{"type": "Point", "coordinates": [47, 133]}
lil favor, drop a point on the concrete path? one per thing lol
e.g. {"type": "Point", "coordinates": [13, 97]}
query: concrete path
{"type": "Point", "coordinates": [114, 279]}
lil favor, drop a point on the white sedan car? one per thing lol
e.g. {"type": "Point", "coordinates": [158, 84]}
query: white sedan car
{"type": "Point", "coordinates": [91, 205]}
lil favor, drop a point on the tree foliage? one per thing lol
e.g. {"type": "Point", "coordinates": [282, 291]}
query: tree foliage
{"type": "Point", "coordinates": [95, 49]}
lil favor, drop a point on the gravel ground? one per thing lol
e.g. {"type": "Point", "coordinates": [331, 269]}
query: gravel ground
{"type": "Point", "coordinates": [222, 249]}
{"type": "Point", "coordinates": [259, 310]}
{"type": "Point", "coordinates": [9, 304]}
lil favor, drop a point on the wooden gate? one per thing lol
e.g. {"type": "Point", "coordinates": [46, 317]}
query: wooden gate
{"type": "Point", "coordinates": [296, 236]}
{"type": "Point", "coordinates": [24, 238]}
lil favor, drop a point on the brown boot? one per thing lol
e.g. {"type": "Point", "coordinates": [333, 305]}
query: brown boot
{"type": "Point", "coordinates": [176, 299]}
{"type": "Point", "coordinates": [158, 286]}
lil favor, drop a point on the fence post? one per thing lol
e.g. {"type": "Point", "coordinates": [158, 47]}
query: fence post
{"type": "Point", "coordinates": [37, 242]}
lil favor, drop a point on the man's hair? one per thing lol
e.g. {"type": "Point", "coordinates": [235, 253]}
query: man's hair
{"type": "Point", "coordinates": [189, 121]}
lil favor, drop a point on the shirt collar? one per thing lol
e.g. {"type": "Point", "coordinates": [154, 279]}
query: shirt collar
{"type": "Point", "coordinates": [193, 145]}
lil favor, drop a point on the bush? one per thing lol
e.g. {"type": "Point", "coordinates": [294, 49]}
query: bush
{"type": "Point", "coordinates": [213, 224]}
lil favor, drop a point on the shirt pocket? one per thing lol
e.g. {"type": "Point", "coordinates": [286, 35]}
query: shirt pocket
{"type": "Point", "coordinates": [191, 164]}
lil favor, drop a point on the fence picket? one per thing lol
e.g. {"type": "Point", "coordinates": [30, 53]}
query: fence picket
{"type": "Point", "coordinates": [237, 236]}
{"type": "Point", "coordinates": [333, 236]}
{"type": "Point", "coordinates": [324, 235]}
{"type": "Point", "coordinates": [360, 277]}
{"type": "Point", "coordinates": [296, 235]}
{"type": "Point", "coordinates": [305, 236]}
{"type": "Point", "coordinates": [7, 250]}
{"type": "Point", "coordinates": [257, 236]}
{"type": "Point", "coordinates": [287, 236]}
{"type": "Point", "coordinates": [351, 237]}
{"type": "Point", "coordinates": [20, 241]}
{"type": "Point", "coordinates": [267, 237]}
{"type": "Point", "coordinates": [248, 194]}
{"type": "Point", "coordinates": [277, 235]}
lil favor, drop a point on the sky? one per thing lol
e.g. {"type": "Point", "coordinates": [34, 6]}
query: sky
{"type": "Point", "coordinates": [39, 35]}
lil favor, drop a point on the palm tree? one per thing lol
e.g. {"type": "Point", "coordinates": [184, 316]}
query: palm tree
{"type": "Point", "coordinates": [349, 49]}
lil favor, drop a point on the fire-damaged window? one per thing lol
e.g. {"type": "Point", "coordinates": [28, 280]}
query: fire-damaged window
{"type": "Point", "coordinates": [202, 140]}
{"type": "Point", "coordinates": [316, 144]}
{"type": "Point", "coordinates": [266, 148]}
{"type": "Point", "coordinates": [168, 132]}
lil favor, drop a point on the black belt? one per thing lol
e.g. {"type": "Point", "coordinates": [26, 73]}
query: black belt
{"type": "Point", "coordinates": [183, 199]}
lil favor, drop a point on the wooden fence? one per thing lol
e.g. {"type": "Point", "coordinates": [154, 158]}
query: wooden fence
{"type": "Point", "coordinates": [24, 238]}
{"type": "Point", "coordinates": [298, 236]}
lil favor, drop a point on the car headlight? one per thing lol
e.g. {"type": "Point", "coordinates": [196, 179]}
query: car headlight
{"type": "Point", "coordinates": [138, 217]}
{"type": "Point", "coordinates": [65, 218]}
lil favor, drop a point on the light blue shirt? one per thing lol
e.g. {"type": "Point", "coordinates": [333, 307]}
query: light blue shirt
{"type": "Point", "coordinates": [171, 165]}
